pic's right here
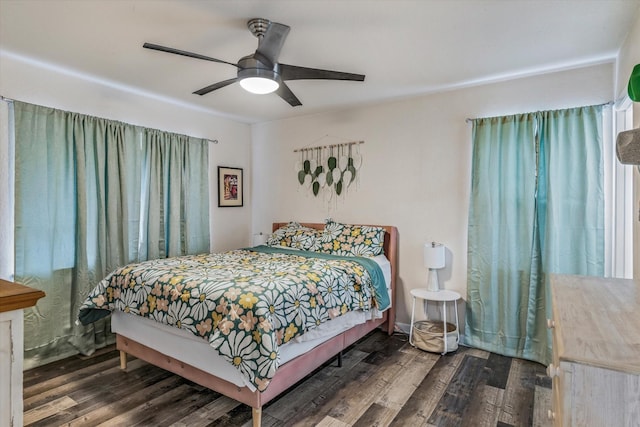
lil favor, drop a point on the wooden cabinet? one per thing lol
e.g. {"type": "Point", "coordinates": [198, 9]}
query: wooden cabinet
{"type": "Point", "coordinates": [14, 298]}
{"type": "Point", "coordinates": [596, 351]}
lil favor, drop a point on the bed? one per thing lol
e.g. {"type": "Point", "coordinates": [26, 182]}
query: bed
{"type": "Point", "coordinates": [207, 361]}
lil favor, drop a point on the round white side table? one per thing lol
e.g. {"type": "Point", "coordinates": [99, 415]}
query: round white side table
{"type": "Point", "coordinates": [443, 296]}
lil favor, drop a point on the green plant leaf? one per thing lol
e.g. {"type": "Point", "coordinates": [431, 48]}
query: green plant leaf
{"type": "Point", "coordinates": [307, 166]}
{"type": "Point", "coordinates": [301, 176]}
{"type": "Point", "coordinates": [329, 179]}
{"type": "Point", "coordinates": [339, 187]}
{"type": "Point", "coordinates": [316, 188]}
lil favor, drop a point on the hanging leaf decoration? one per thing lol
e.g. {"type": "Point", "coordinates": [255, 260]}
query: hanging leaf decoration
{"type": "Point", "coordinates": [322, 179]}
{"type": "Point", "coordinates": [346, 177]}
{"type": "Point", "coordinates": [343, 162]}
{"type": "Point", "coordinates": [337, 174]}
{"type": "Point", "coordinates": [352, 169]}
{"type": "Point", "coordinates": [357, 160]}
{"type": "Point", "coordinates": [332, 162]}
{"type": "Point", "coordinates": [328, 171]}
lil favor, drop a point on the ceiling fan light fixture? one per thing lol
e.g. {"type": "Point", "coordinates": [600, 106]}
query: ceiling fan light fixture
{"type": "Point", "coordinates": [255, 78]}
{"type": "Point", "coordinates": [259, 85]}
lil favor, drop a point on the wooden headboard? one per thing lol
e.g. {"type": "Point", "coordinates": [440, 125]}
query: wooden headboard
{"type": "Point", "coordinates": [390, 248]}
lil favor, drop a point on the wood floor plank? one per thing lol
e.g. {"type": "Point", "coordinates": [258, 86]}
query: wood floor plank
{"type": "Point", "coordinates": [457, 396]}
{"type": "Point", "coordinates": [335, 401]}
{"type": "Point", "coordinates": [542, 403]}
{"type": "Point", "coordinates": [385, 348]}
{"type": "Point", "coordinates": [307, 395]}
{"type": "Point", "coordinates": [240, 416]}
{"type": "Point", "coordinates": [424, 400]}
{"type": "Point", "coordinates": [499, 367]}
{"type": "Point", "coordinates": [517, 408]}
{"type": "Point", "coordinates": [58, 388]}
{"type": "Point", "coordinates": [331, 422]}
{"type": "Point", "coordinates": [67, 376]}
{"type": "Point", "coordinates": [351, 403]}
{"type": "Point", "coordinates": [400, 389]}
{"type": "Point", "coordinates": [70, 364]}
{"type": "Point", "coordinates": [209, 413]}
{"type": "Point", "coordinates": [113, 399]}
{"type": "Point", "coordinates": [47, 409]}
{"type": "Point", "coordinates": [384, 381]}
{"type": "Point", "coordinates": [141, 413]}
{"type": "Point", "coordinates": [192, 400]}
{"type": "Point", "coordinates": [311, 413]}
{"type": "Point", "coordinates": [106, 387]}
{"type": "Point", "coordinates": [376, 415]}
{"type": "Point", "coordinates": [484, 408]}
{"type": "Point", "coordinates": [482, 354]}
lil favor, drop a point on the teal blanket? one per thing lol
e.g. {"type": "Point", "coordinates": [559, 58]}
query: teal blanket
{"type": "Point", "coordinates": [377, 277]}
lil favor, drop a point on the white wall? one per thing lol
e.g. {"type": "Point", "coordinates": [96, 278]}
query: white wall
{"type": "Point", "coordinates": [416, 170]}
{"type": "Point", "coordinates": [415, 173]}
{"type": "Point", "coordinates": [628, 57]}
{"type": "Point", "coordinates": [41, 84]}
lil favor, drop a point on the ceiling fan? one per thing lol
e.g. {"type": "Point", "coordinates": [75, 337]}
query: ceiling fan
{"type": "Point", "coordinates": [261, 72]}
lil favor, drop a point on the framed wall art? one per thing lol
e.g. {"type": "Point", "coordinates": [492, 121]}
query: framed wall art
{"type": "Point", "coordinates": [230, 187]}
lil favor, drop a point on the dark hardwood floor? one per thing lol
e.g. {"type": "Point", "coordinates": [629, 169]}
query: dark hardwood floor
{"type": "Point", "coordinates": [383, 381]}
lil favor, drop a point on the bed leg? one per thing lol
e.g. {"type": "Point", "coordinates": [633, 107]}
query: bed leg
{"type": "Point", "coordinates": [340, 360]}
{"type": "Point", "coordinates": [123, 360]}
{"type": "Point", "coordinates": [257, 416]}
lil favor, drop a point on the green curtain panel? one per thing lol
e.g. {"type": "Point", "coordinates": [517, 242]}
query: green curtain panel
{"type": "Point", "coordinates": [571, 192]}
{"type": "Point", "coordinates": [79, 214]}
{"type": "Point", "coordinates": [500, 238]}
{"type": "Point", "coordinates": [537, 207]}
{"type": "Point", "coordinates": [175, 171]}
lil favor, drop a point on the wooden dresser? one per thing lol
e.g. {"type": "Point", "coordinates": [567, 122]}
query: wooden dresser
{"type": "Point", "coordinates": [14, 298]}
{"type": "Point", "coordinates": [596, 351]}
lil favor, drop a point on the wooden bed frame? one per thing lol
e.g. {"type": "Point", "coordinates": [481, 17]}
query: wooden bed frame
{"type": "Point", "coordinates": [289, 373]}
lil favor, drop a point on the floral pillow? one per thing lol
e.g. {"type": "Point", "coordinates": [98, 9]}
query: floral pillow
{"type": "Point", "coordinates": [294, 235]}
{"type": "Point", "coordinates": [351, 240]}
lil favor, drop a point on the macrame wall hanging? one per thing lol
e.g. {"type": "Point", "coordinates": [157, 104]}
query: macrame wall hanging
{"type": "Point", "coordinates": [329, 171]}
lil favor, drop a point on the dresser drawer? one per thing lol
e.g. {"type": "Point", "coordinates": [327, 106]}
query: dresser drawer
{"type": "Point", "coordinates": [596, 367]}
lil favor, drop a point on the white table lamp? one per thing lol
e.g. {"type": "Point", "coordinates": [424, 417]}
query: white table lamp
{"type": "Point", "coordinates": [433, 260]}
{"type": "Point", "coordinates": [259, 239]}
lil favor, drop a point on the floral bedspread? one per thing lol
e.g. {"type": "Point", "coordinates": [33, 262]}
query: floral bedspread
{"type": "Point", "coordinates": [245, 302]}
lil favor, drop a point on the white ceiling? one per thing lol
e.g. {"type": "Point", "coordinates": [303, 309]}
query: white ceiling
{"type": "Point", "coordinates": [405, 48]}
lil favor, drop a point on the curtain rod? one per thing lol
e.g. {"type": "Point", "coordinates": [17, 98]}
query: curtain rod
{"type": "Point", "coordinates": [5, 99]}
{"type": "Point", "coordinates": [328, 146]}
{"type": "Point", "coordinates": [469, 120]}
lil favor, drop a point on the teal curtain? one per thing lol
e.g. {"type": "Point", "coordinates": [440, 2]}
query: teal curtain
{"type": "Point", "coordinates": [571, 192]}
{"type": "Point", "coordinates": [78, 215]}
{"type": "Point", "coordinates": [537, 207]}
{"type": "Point", "coordinates": [175, 175]}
